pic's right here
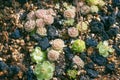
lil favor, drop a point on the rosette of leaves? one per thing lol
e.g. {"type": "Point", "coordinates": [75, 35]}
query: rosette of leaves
{"type": "Point", "coordinates": [82, 26]}
{"type": "Point", "coordinates": [104, 49]}
{"type": "Point", "coordinates": [72, 73]}
{"type": "Point", "coordinates": [78, 45]}
{"type": "Point", "coordinates": [94, 9]}
{"type": "Point", "coordinates": [69, 22]}
{"type": "Point", "coordinates": [44, 71]}
{"type": "Point", "coordinates": [37, 55]}
{"type": "Point", "coordinates": [92, 2]}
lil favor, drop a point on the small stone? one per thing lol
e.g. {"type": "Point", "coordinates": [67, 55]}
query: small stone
{"type": "Point", "coordinates": [16, 34]}
{"type": "Point", "coordinates": [100, 60]}
{"type": "Point", "coordinates": [92, 73]}
{"type": "Point", "coordinates": [52, 32]}
{"type": "Point", "coordinates": [89, 65]}
{"type": "Point", "coordinates": [110, 67]}
{"type": "Point", "coordinates": [44, 43]}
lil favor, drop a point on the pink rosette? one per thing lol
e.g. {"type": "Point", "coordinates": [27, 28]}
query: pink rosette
{"type": "Point", "coordinates": [31, 15]}
{"type": "Point", "coordinates": [40, 23]}
{"type": "Point", "coordinates": [73, 32]}
{"type": "Point", "coordinates": [51, 12]}
{"type": "Point", "coordinates": [40, 13]}
{"type": "Point", "coordinates": [70, 13]}
{"type": "Point", "coordinates": [48, 19]}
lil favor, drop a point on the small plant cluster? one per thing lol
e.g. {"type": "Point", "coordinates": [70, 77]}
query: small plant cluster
{"type": "Point", "coordinates": [69, 14]}
{"type": "Point", "coordinates": [95, 4]}
{"type": "Point", "coordinates": [36, 21]}
{"type": "Point", "coordinates": [57, 47]}
{"type": "Point", "coordinates": [78, 46]}
{"type": "Point", "coordinates": [72, 73]}
{"type": "Point", "coordinates": [43, 69]}
{"type": "Point", "coordinates": [82, 26]}
{"type": "Point", "coordinates": [104, 48]}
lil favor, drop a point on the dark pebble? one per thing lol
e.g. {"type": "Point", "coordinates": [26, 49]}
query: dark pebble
{"type": "Point", "coordinates": [113, 32]}
{"type": "Point", "coordinates": [3, 66]}
{"type": "Point", "coordinates": [59, 71]}
{"type": "Point", "coordinates": [92, 73]}
{"type": "Point", "coordinates": [108, 21]}
{"type": "Point", "coordinates": [44, 43]}
{"type": "Point", "coordinates": [83, 56]}
{"type": "Point", "coordinates": [35, 37]}
{"type": "Point", "coordinates": [84, 77]}
{"type": "Point", "coordinates": [98, 59]}
{"type": "Point", "coordinates": [67, 50]}
{"type": "Point", "coordinates": [91, 42]}
{"type": "Point", "coordinates": [118, 14]}
{"type": "Point", "coordinates": [58, 23]}
{"type": "Point", "coordinates": [104, 36]}
{"type": "Point", "coordinates": [89, 65]}
{"type": "Point", "coordinates": [52, 32]}
{"type": "Point", "coordinates": [96, 26]}
{"type": "Point", "coordinates": [116, 3]}
{"type": "Point", "coordinates": [110, 67]}
{"type": "Point", "coordinates": [22, 1]}
{"type": "Point", "coordinates": [23, 16]}
{"type": "Point", "coordinates": [13, 70]}
{"type": "Point", "coordinates": [117, 49]}
{"type": "Point", "coordinates": [30, 74]}
{"type": "Point", "coordinates": [16, 34]}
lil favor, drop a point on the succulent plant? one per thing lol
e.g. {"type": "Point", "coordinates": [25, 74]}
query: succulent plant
{"type": "Point", "coordinates": [58, 44]}
{"type": "Point", "coordinates": [92, 2]}
{"type": "Point", "coordinates": [104, 49]}
{"type": "Point", "coordinates": [85, 9]}
{"type": "Point", "coordinates": [37, 55]}
{"type": "Point", "coordinates": [40, 23]}
{"type": "Point", "coordinates": [41, 31]}
{"type": "Point", "coordinates": [40, 13]}
{"type": "Point", "coordinates": [73, 32]}
{"type": "Point", "coordinates": [78, 45]}
{"type": "Point", "coordinates": [101, 3]}
{"type": "Point", "coordinates": [82, 26]}
{"type": "Point", "coordinates": [29, 25]}
{"type": "Point", "coordinates": [31, 15]}
{"type": "Point", "coordinates": [53, 55]}
{"type": "Point", "coordinates": [48, 19]}
{"type": "Point", "coordinates": [69, 22]}
{"type": "Point", "coordinates": [72, 73]}
{"type": "Point", "coordinates": [44, 71]}
{"type": "Point", "coordinates": [94, 9]}
{"type": "Point", "coordinates": [69, 13]}
{"type": "Point", "coordinates": [78, 61]}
